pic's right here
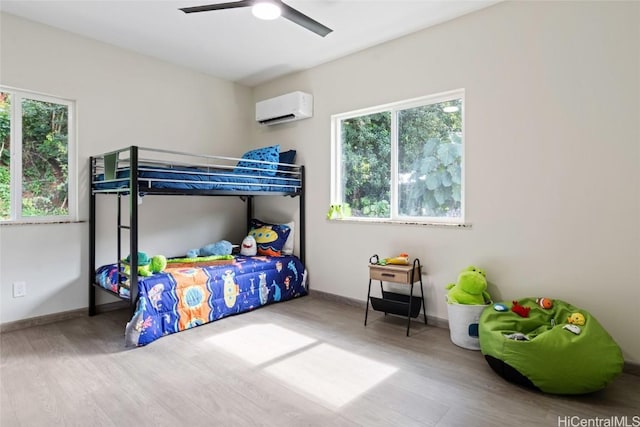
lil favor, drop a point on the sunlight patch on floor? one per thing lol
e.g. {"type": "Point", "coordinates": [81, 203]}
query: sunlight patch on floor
{"type": "Point", "coordinates": [329, 374]}
{"type": "Point", "coordinates": [260, 343]}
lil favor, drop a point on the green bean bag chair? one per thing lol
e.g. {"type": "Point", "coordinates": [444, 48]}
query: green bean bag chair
{"type": "Point", "coordinates": [560, 349]}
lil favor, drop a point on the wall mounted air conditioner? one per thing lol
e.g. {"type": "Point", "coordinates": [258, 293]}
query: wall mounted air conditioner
{"type": "Point", "coordinates": [285, 108]}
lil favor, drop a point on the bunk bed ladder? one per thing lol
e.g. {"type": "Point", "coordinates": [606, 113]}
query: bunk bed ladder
{"type": "Point", "coordinates": [302, 215]}
{"type": "Point", "coordinates": [249, 201]}
{"type": "Point", "coordinates": [120, 227]}
{"type": "Point", "coordinates": [133, 229]}
{"type": "Point", "coordinates": [92, 238]}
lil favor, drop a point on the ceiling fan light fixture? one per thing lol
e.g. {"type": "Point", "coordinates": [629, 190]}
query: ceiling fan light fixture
{"type": "Point", "coordinates": [266, 10]}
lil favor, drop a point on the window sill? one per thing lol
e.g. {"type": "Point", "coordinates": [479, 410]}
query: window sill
{"type": "Point", "coordinates": [14, 223]}
{"type": "Point", "coordinates": [402, 222]}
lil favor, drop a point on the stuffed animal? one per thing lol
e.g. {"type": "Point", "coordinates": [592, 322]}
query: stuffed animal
{"type": "Point", "coordinates": [146, 266]}
{"type": "Point", "coordinates": [576, 319]}
{"type": "Point", "coordinates": [218, 248]}
{"type": "Point", "coordinates": [158, 263]}
{"type": "Point", "coordinates": [335, 211]}
{"type": "Point", "coordinates": [470, 289]}
{"type": "Point", "coordinates": [545, 303]}
{"type": "Point", "coordinates": [520, 310]}
{"type": "Point", "coordinates": [249, 247]}
{"type": "Point", "coordinates": [402, 259]}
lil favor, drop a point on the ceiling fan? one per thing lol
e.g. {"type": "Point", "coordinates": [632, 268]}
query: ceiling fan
{"type": "Point", "coordinates": [268, 9]}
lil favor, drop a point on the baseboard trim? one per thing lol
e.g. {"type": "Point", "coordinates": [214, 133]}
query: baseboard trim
{"type": "Point", "coordinates": [631, 368]}
{"type": "Point", "coordinates": [628, 368]}
{"type": "Point", "coordinates": [58, 317]}
{"type": "Point", "coordinates": [431, 320]}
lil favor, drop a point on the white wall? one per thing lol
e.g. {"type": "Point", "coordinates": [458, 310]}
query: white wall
{"type": "Point", "coordinates": [552, 154]}
{"type": "Point", "coordinates": [122, 99]}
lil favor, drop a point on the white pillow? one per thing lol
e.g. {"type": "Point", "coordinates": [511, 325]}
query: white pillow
{"type": "Point", "coordinates": [287, 249]}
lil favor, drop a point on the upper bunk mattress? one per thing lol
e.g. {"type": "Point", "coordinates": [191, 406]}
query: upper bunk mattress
{"type": "Point", "coordinates": [189, 178]}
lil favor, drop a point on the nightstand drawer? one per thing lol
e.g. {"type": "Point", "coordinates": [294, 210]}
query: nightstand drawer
{"type": "Point", "coordinates": [394, 273]}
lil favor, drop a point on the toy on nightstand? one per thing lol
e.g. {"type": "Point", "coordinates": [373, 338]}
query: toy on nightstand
{"type": "Point", "coordinates": [402, 259]}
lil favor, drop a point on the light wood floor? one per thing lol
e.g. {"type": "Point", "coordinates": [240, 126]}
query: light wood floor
{"type": "Point", "coordinates": [306, 362]}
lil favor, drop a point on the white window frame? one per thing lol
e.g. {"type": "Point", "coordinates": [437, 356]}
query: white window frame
{"type": "Point", "coordinates": [17, 95]}
{"type": "Point", "coordinates": [393, 108]}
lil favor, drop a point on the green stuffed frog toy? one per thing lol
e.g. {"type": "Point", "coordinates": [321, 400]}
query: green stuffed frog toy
{"type": "Point", "coordinates": [470, 289]}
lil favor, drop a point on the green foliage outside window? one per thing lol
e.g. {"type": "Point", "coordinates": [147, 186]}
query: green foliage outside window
{"type": "Point", "coordinates": [5, 174]}
{"type": "Point", "coordinates": [429, 170]}
{"type": "Point", "coordinates": [44, 158]}
{"type": "Point", "coordinates": [366, 162]}
{"type": "Point", "coordinates": [430, 156]}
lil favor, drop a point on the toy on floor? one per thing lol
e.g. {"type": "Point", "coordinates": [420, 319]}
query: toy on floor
{"type": "Point", "coordinates": [576, 319]}
{"type": "Point", "coordinates": [471, 288]}
{"type": "Point", "coordinates": [147, 266]}
{"type": "Point", "coordinates": [222, 247]}
{"type": "Point", "coordinates": [545, 303]}
{"type": "Point", "coordinates": [519, 309]}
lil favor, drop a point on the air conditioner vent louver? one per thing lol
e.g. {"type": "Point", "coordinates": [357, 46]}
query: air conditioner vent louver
{"type": "Point", "coordinates": [285, 108]}
{"type": "Point", "coordinates": [274, 120]}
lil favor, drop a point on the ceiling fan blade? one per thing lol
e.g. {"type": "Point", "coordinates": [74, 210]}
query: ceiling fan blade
{"type": "Point", "coordinates": [300, 18]}
{"type": "Point", "coordinates": [208, 7]}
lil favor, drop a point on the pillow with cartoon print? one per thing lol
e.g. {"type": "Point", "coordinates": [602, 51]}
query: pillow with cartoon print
{"type": "Point", "coordinates": [270, 238]}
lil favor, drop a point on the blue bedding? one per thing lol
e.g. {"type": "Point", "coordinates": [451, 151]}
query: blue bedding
{"type": "Point", "coordinates": [184, 297]}
{"type": "Point", "coordinates": [184, 178]}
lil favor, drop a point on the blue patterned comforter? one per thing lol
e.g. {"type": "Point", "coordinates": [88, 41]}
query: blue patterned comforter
{"type": "Point", "coordinates": [182, 298]}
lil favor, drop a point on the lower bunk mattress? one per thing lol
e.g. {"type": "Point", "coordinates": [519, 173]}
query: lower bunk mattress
{"type": "Point", "coordinates": [184, 297]}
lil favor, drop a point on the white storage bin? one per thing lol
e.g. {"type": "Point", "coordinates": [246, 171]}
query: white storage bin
{"type": "Point", "coordinates": [463, 324]}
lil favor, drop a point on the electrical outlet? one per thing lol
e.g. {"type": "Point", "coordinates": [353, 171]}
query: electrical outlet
{"type": "Point", "coordinates": [19, 289]}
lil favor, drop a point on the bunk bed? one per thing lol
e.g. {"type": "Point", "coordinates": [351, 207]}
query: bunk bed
{"type": "Point", "coordinates": [194, 291]}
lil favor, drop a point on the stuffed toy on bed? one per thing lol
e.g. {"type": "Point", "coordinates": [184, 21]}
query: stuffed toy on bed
{"type": "Point", "coordinates": [249, 247]}
{"type": "Point", "coordinates": [147, 266]}
{"type": "Point", "coordinates": [218, 248]}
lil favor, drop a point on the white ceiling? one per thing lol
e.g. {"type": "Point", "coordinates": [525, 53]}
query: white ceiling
{"type": "Point", "coordinates": [232, 44]}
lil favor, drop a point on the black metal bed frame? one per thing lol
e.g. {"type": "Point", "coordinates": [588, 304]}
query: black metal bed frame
{"type": "Point", "coordinates": [132, 190]}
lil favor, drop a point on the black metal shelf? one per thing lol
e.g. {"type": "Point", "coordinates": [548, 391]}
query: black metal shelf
{"type": "Point", "coordinates": [393, 302]}
{"type": "Point", "coordinates": [398, 304]}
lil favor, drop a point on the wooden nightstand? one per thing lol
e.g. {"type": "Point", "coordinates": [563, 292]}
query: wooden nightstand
{"type": "Point", "coordinates": [392, 302]}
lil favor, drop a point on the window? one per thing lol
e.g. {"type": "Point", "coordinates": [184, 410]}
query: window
{"type": "Point", "coordinates": [37, 163]}
{"type": "Point", "coordinates": [401, 162]}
